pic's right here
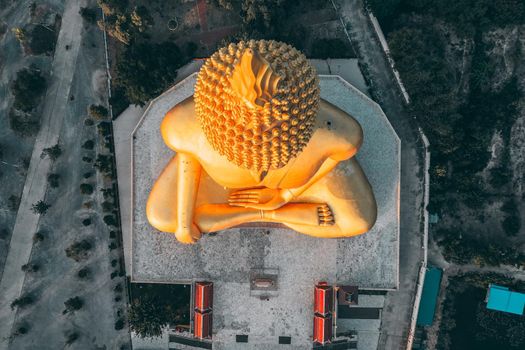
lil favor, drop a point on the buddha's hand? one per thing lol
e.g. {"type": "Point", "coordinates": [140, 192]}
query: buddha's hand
{"type": "Point", "coordinates": [189, 234]}
{"type": "Point", "coordinates": [260, 198]}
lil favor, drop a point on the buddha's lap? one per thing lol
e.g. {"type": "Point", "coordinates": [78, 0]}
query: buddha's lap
{"type": "Point", "coordinates": [345, 189]}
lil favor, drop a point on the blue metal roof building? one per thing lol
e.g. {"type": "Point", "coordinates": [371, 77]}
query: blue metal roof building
{"type": "Point", "coordinates": [502, 299]}
{"type": "Point", "coordinates": [427, 305]}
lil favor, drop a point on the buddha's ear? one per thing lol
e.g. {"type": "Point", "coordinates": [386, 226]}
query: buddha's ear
{"type": "Point", "coordinates": [253, 79]}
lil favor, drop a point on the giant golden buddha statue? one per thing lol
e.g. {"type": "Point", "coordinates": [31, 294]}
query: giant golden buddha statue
{"type": "Point", "coordinates": [256, 143]}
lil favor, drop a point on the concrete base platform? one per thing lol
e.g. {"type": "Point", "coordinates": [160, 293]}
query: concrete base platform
{"type": "Point", "coordinates": [230, 257]}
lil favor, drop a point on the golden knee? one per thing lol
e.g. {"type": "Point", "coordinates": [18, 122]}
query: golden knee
{"type": "Point", "coordinates": [161, 217]}
{"type": "Point", "coordinates": [353, 224]}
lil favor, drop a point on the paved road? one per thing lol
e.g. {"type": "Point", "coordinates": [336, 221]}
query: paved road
{"type": "Point", "coordinates": [398, 305]}
{"type": "Point", "coordinates": [36, 180]}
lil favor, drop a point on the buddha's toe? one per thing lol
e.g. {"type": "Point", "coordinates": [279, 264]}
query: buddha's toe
{"type": "Point", "coordinates": [325, 215]}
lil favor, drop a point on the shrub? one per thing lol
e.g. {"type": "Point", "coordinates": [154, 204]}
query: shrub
{"type": "Point", "coordinates": [86, 188]}
{"type": "Point", "coordinates": [21, 330]}
{"type": "Point", "coordinates": [78, 250]}
{"type": "Point", "coordinates": [112, 246]}
{"type": "Point", "coordinates": [52, 180]}
{"type": "Point", "coordinates": [23, 124]}
{"type": "Point", "coordinates": [118, 288]}
{"type": "Point", "coordinates": [71, 337]}
{"type": "Point", "coordinates": [52, 152]}
{"type": "Point", "coordinates": [30, 267]}
{"type": "Point", "coordinates": [83, 273]}
{"type": "Point", "coordinates": [107, 206]}
{"type": "Point", "coordinates": [87, 175]}
{"type": "Point", "coordinates": [87, 159]}
{"type": "Point", "coordinates": [107, 192]}
{"type": "Point", "coordinates": [114, 262]}
{"type": "Point", "coordinates": [86, 222]}
{"type": "Point", "coordinates": [104, 129]}
{"type": "Point", "coordinates": [38, 237]}
{"type": "Point", "coordinates": [110, 220]}
{"type": "Point", "coordinates": [89, 144]}
{"type": "Point", "coordinates": [89, 122]}
{"type": "Point", "coordinates": [40, 207]}
{"type": "Point", "coordinates": [72, 305]}
{"type": "Point", "coordinates": [119, 27]}
{"type": "Point", "coordinates": [89, 14]}
{"type": "Point", "coordinates": [119, 324]}
{"type": "Point", "coordinates": [112, 6]}
{"type": "Point", "coordinates": [22, 301]}
{"type": "Point", "coordinates": [4, 233]}
{"type": "Point", "coordinates": [98, 112]}
{"type": "Point", "coordinates": [13, 202]}
{"type": "Point", "coordinates": [113, 274]}
{"type": "Point", "coordinates": [104, 163]}
{"type": "Point", "coordinates": [141, 18]}
{"type": "Point", "coordinates": [112, 234]}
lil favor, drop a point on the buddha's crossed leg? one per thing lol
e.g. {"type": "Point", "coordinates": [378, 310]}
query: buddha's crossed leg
{"type": "Point", "coordinates": [341, 204]}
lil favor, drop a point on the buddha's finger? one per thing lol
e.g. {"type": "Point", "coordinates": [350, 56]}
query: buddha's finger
{"type": "Point", "coordinates": [251, 200]}
{"type": "Point", "coordinates": [248, 191]}
{"type": "Point", "coordinates": [242, 204]}
{"type": "Point", "coordinates": [237, 196]}
{"type": "Point", "coordinates": [243, 201]}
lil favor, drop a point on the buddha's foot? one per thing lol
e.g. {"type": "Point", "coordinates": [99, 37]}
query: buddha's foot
{"type": "Point", "coordinates": [325, 216]}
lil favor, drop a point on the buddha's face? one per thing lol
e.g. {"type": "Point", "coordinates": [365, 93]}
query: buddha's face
{"type": "Point", "coordinates": [257, 102]}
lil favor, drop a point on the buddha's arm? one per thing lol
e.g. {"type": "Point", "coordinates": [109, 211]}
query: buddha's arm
{"type": "Point", "coordinates": [188, 177]}
{"type": "Point", "coordinates": [328, 165]}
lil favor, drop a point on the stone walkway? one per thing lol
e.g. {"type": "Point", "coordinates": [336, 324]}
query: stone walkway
{"type": "Point", "coordinates": [36, 181]}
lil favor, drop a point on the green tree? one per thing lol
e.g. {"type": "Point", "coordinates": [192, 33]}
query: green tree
{"type": "Point", "coordinates": [511, 225]}
{"type": "Point", "coordinates": [78, 250]}
{"type": "Point", "coordinates": [23, 301]}
{"type": "Point", "coordinates": [42, 41]}
{"type": "Point", "coordinates": [72, 305]}
{"type": "Point", "coordinates": [145, 70]}
{"type": "Point", "coordinates": [52, 152]}
{"type": "Point", "coordinates": [27, 89]}
{"type": "Point", "coordinates": [53, 180]}
{"type": "Point", "coordinates": [98, 112]}
{"type": "Point", "coordinates": [154, 306]}
{"type": "Point", "coordinates": [89, 14]}
{"type": "Point", "coordinates": [86, 188]}
{"type": "Point", "coordinates": [147, 317]}
{"type": "Point", "coordinates": [331, 48]}
{"type": "Point", "coordinates": [40, 207]}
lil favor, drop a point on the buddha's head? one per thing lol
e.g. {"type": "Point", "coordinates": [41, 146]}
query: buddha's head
{"type": "Point", "coordinates": [256, 102]}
